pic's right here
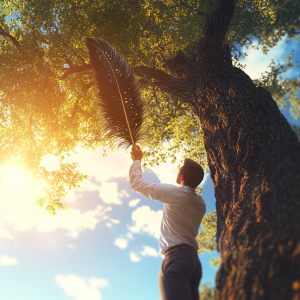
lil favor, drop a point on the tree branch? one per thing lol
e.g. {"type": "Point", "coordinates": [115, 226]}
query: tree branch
{"type": "Point", "coordinates": [77, 55]}
{"type": "Point", "coordinates": [76, 69]}
{"type": "Point", "coordinates": [66, 45]}
{"type": "Point", "coordinates": [75, 108]}
{"type": "Point", "coordinates": [34, 37]}
{"type": "Point", "coordinates": [195, 10]}
{"type": "Point", "coordinates": [146, 24]}
{"type": "Point", "coordinates": [68, 61]}
{"type": "Point", "coordinates": [85, 88]}
{"type": "Point", "coordinates": [198, 12]}
{"type": "Point", "coordinates": [216, 27]}
{"type": "Point", "coordinates": [176, 87]}
{"type": "Point", "coordinates": [14, 40]}
{"type": "Point", "coordinates": [210, 55]}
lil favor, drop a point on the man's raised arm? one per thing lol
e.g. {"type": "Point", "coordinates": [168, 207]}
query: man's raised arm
{"type": "Point", "coordinates": [136, 181]}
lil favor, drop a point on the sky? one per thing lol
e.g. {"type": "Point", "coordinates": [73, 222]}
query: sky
{"type": "Point", "coordinates": [105, 246]}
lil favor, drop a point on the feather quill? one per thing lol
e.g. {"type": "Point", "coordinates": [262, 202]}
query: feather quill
{"type": "Point", "coordinates": [120, 104]}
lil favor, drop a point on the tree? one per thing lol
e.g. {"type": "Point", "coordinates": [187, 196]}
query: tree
{"type": "Point", "coordinates": [182, 53]}
{"type": "Point", "coordinates": [253, 155]}
{"type": "Point", "coordinates": [47, 89]}
{"type": "Point", "coordinates": [287, 21]}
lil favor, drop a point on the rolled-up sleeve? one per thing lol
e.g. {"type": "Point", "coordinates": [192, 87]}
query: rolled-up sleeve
{"type": "Point", "coordinates": [153, 191]}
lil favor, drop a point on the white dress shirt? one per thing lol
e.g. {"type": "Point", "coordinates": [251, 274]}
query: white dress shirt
{"type": "Point", "coordinates": [183, 209]}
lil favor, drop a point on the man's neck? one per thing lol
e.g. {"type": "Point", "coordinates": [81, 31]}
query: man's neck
{"type": "Point", "coordinates": [183, 184]}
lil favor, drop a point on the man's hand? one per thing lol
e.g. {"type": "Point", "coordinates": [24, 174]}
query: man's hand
{"type": "Point", "coordinates": [136, 153]}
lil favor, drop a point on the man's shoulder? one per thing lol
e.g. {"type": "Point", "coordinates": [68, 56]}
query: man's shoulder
{"type": "Point", "coordinates": [169, 186]}
{"type": "Point", "coordinates": [169, 189]}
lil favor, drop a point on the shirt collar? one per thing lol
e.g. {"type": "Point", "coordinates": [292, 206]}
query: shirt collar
{"type": "Point", "coordinates": [189, 188]}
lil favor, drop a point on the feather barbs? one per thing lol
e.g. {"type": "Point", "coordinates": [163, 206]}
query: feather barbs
{"type": "Point", "coordinates": [120, 104]}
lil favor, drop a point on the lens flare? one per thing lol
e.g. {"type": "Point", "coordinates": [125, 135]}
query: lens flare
{"type": "Point", "coordinates": [17, 184]}
{"type": "Point", "coordinates": [16, 177]}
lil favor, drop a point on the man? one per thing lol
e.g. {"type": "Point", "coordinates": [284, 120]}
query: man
{"type": "Point", "coordinates": [181, 270]}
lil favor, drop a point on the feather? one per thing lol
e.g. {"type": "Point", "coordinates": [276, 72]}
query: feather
{"type": "Point", "coordinates": [120, 104]}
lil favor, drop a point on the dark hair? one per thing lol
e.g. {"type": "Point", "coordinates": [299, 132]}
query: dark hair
{"type": "Point", "coordinates": [192, 173]}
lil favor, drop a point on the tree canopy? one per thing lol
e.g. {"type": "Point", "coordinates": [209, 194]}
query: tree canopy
{"type": "Point", "coordinates": [46, 86]}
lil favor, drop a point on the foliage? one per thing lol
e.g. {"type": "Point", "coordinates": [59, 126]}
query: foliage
{"type": "Point", "coordinates": [207, 237]}
{"type": "Point", "coordinates": [282, 89]}
{"type": "Point", "coordinates": [215, 262]}
{"type": "Point", "coordinates": [287, 22]}
{"type": "Point", "coordinates": [175, 131]}
{"type": "Point", "coordinates": [207, 292]}
{"type": "Point", "coordinates": [46, 104]}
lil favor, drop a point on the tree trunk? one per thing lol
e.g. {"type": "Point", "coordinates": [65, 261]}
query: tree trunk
{"type": "Point", "coordinates": [254, 161]}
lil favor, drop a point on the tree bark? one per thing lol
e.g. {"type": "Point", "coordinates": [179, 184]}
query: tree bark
{"type": "Point", "coordinates": [254, 161]}
{"type": "Point", "coordinates": [14, 40]}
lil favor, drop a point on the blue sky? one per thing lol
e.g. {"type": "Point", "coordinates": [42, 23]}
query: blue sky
{"type": "Point", "coordinates": [106, 245]}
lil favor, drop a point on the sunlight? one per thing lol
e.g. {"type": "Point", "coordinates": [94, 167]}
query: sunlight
{"type": "Point", "coordinates": [16, 177]}
{"type": "Point", "coordinates": [17, 184]}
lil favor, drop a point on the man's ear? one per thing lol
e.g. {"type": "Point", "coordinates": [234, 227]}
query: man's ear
{"type": "Point", "coordinates": [181, 177]}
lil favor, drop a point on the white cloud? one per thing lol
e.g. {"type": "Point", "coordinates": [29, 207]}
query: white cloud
{"type": "Point", "coordinates": [122, 243]}
{"type": "Point", "coordinates": [134, 202]}
{"type": "Point", "coordinates": [71, 246]}
{"type": "Point", "coordinates": [206, 176]}
{"type": "Point", "coordinates": [92, 163]}
{"type": "Point", "coordinates": [166, 172]}
{"type": "Point", "coordinates": [116, 164]}
{"type": "Point", "coordinates": [50, 162]}
{"type": "Point", "coordinates": [4, 233]}
{"type": "Point", "coordinates": [134, 257]}
{"type": "Point", "coordinates": [125, 193]}
{"type": "Point", "coordinates": [98, 282]}
{"type": "Point", "coordinates": [257, 63]}
{"type": "Point", "coordinates": [87, 185]}
{"type": "Point", "coordinates": [8, 261]}
{"type": "Point", "coordinates": [70, 197]}
{"type": "Point", "coordinates": [149, 251]}
{"type": "Point", "coordinates": [146, 251]}
{"type": "Point", "coordinates": [80, 288]}
{"type": "Point", "coordinates": [23, 216]}
{"type": "Point", "coordinates": [146, 220]}
{"type": "Point", "coordinates": [115, 221]}
{"type": "Point", "coordinates": [111, 222]}
{"type": "Point", "coordinates": [109, 193]}
{"type": "Point", "coordinates": [129, 235]}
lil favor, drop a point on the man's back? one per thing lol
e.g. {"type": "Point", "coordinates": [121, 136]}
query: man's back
{"type": "Point", "coordinates": [181, 218]}
{"type": "Point", "coordinates": [183, 209]}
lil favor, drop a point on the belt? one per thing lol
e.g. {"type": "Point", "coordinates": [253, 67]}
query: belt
{"type": "Point", "coordinates": [177, 248]}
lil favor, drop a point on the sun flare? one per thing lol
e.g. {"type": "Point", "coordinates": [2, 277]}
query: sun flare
{"type": "Point", "coordinates": [17, 184]}
{"type": "Point", "coordinates": [16, 177]}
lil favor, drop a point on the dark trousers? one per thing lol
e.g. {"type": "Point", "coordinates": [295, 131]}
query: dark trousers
{"type": "Point", "coordinates": [180, 275]}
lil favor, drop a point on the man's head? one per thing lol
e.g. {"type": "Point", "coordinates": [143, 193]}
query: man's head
{"type": "Point", "coordinates": [190, 174]}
